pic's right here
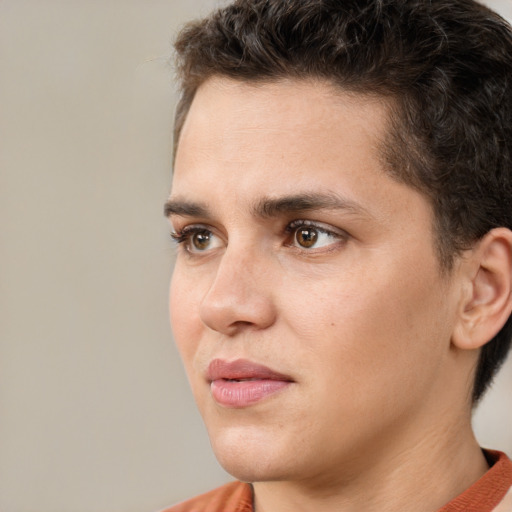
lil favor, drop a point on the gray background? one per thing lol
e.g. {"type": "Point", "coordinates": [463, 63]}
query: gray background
{"type": "Point", "coordinates": [95, 411]}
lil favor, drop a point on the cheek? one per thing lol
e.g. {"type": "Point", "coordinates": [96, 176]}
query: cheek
{"type": "Point", "coordinates": [184, 315]}
{"type": "Point", "coordinates": [386, 327]}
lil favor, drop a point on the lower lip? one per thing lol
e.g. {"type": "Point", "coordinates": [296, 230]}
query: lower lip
{"type": "Point", "coordinates": [238, 394]}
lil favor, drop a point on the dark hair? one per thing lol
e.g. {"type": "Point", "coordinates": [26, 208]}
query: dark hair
{"type": "Point", "coordinates": [444, 65]}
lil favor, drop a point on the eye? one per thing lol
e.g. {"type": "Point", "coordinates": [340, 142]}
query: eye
{"type": "Point", "coordinates": [309, 235]}
{"type": "Point", "coordinates": [201, 240]}
{"type": "Point", "coordinates": [197, 239]}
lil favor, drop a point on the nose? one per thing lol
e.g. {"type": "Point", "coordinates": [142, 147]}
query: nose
{"type": "Point", "coordinates": [239, 297]}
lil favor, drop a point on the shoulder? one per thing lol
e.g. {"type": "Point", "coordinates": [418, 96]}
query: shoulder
{"type": "Point", "coordinates": [492, 493]}
{"type": "Point", "coordinates": [232, 497]}
{"type": "Point", "coordinates": [503, 467]}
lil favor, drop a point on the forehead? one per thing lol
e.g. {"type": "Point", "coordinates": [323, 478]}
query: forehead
{"type": "Point", "coordinates": [292, 125]}
{"type": "Point", "coordinates": [281, 104]}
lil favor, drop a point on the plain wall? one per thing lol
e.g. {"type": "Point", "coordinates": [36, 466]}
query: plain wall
{"type": "Point", "coordinates": [95, 410]}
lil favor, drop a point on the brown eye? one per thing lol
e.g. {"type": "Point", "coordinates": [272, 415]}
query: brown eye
{"type": "Point", "coordinates": [314, 237]}
{"type": "Point", "coordinates": [306, 237]}
{"type": "Point", "coordinates": [197, 240]}
{"type": "Point", "coordinates": [201, 240]}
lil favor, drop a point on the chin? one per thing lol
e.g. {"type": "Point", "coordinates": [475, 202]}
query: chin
{"type": "Point", "coordinates": [250, 469]}
{"type": "Point", "coordinates": [250, 458]}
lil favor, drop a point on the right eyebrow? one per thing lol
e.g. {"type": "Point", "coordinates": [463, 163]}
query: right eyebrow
{"type": "Point", "coordinates": [185, 209]}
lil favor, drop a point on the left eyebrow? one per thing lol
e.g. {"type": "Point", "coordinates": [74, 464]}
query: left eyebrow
{"type": "Point", "coordinates": [273, 207]}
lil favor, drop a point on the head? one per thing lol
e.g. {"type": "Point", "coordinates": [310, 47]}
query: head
{"type": "Point", "coordinates": [443, 71]}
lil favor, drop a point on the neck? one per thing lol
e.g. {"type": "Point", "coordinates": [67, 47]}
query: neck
{"type": "Point", "coordinates": [421, 475]}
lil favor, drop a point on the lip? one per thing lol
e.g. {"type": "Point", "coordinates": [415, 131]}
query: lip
{"type": "Point", "coordinates": [242, 383]}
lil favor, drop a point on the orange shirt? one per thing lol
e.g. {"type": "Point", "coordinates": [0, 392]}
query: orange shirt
{"type": "Point", "coordinates": [492, 493]}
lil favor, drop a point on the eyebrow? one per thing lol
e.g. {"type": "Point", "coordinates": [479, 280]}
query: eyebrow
{"type": "Point", "coordinates": [273, 207]}
{"type": "Point", "coordinates": [184, 209]}
{"type": "Point", "coordinates": [269, 207]}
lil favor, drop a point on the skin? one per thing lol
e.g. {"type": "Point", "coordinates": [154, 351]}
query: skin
{"type": "Point", "coordinates": [363, 320]}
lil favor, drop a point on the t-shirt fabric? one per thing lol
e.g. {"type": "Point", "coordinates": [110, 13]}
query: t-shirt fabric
{"type": "Point", "coordinates": [491, 493]}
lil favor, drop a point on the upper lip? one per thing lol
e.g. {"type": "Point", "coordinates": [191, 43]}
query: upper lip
{"type": "Point", "coordinates": [242, 369]}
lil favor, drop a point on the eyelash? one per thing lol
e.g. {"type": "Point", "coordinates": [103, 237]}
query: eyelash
{"type": "Point", "coordinates": [336, 234]}
{"type": "Point", "coordinates": [183, 236]}
{"type": "Point", "coordinates": [302, 223]}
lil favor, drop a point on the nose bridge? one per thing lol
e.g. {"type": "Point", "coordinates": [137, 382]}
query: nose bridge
{"type": "Point", "coordinates": [239, 294]}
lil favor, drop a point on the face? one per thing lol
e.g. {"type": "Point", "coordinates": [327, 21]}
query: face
{"type": "Point", "coordinates": [307, 300]}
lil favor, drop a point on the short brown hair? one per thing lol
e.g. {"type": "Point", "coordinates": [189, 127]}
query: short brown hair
{"type": "Point", "coordinates": [447, 64]}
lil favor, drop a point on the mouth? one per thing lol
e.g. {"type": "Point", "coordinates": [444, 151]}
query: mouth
{"type": "Point", "coordinates": [242, 383]}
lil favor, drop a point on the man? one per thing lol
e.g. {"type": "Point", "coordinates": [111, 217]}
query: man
{"type": "Point", "coordinates": [342, 291]}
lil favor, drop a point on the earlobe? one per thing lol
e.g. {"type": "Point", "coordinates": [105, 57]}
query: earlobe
{"type": "Point", "coordinates": [487, 299]}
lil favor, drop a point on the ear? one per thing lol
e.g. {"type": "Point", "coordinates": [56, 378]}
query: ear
{"type": "Point", "coordinates": [487, 299]}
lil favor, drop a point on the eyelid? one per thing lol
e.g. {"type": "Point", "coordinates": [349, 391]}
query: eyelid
{"type": "Point", "coordinates": [182, 236]}
{"type": "Point", "coordinates": [326, 228]}
{"type": "Point", "coordinates": [338, 234]}
{"type": "Point", "coordinates": [189, 229]}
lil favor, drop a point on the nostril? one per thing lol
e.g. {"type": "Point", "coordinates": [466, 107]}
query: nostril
{"type": "Point", "coordinates": [231, 315]}
{"type": "Point", "coordinates": [242, 325]}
